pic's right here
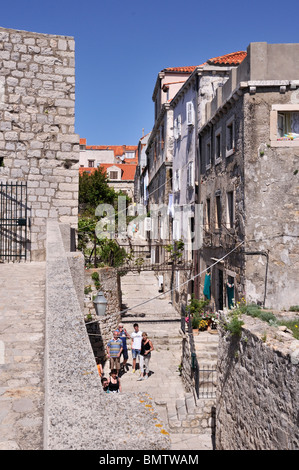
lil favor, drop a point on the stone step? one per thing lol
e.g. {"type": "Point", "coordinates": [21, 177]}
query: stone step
{"type": "Point", "coordinates": [189, 415]}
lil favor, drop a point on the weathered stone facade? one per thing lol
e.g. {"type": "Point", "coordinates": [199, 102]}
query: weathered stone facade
{"type": "Point", "coordinates": [257, 392]}
{"type": "Point", "coordinates": [249, 182]}
{"type": "Point", "coordinates": [38, 144]}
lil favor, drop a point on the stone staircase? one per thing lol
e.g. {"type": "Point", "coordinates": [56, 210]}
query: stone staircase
{"type": "Point", "coordinates": [191, 414]}
{"type": "Point", "coordinates": [183, 412]}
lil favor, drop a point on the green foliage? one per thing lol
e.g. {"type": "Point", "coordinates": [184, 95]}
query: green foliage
{"type": "Point", "coordinates": [196, 305]}
{"type": "Point", "coordinates": [111, 254]}
{"type": "Point", "coordinates": [234, 323]}
{"type": "Point", "coordinates": [94, 190]}
{"type": "Point", "coordinates": [96, 279]}
{"type": "Point", "coordinates": [195, 309]}
{"type": "Point", "coordinates": [294, 308]}
{"type": "Point", "coordinates": [176, 250]}
{"type": "Point", "coordinates": [292, 325]}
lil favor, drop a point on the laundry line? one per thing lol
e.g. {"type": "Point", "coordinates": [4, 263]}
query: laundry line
{"type": "Point", "coordinates": [184, 283]}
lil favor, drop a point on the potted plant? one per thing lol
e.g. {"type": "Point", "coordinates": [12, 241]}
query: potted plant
{"type": "Point", "coordinates": [196, 310]}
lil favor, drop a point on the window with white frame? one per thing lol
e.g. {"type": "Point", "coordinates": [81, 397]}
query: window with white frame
{"type": "Point", "coordinates": [130, 155]}
{"type": "Point", "coordinates": [284, 125]}
{"type": "Point", "coordinates": [91, 163]}
{"type": "Point", "coordinates": [176, 181]}
{"type": "Point", "coordinates": [190, 113]}
{"type": "Point", "coordinates": [113, 175]}
{"type": "Point", "coordinates": [230, 136]}
{"type": "Point", "coordinates": [218, 146]}
{"type": "Point", "coordinates": [230, 211]}
{"type": "Point", "coordinates": [177, 127]}
{"type": "Point", "coordinates": [190, 175]}
{"type": "Point", "coordinates": [208, 153]}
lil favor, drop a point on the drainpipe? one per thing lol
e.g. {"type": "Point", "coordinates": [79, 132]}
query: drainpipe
{"type": "Point", "coordinates": [266, 254]}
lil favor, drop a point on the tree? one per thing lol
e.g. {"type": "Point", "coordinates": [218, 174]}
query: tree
{"type": "Point", "coordinates": [94, 190]}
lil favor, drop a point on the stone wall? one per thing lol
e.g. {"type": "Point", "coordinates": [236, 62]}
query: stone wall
{"type": "Point", "coordinates": [272, 217]}
{"type": "Point", "coordinates": [102, 331]}
{"type": "Point", "coordinates": [78, 414]}
{"type": "Point", "coordinates": [258, 389]}
{"type": "Point", "coordinates": [38, 144]}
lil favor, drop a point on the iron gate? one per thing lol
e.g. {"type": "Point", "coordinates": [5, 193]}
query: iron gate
{"type": "Point", "coordinates": [13, 221]}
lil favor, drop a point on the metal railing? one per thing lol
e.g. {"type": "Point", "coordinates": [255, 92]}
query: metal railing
{"type": "Point", "coordinates": [152, 257]}
{"type": "Point", "coordinates": [13, 221]}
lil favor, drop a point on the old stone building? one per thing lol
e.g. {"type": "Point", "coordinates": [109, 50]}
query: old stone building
{"type": "Point", "coordinates": [38, 144]}
{"type": "Point", "coordinates": [249, 182]}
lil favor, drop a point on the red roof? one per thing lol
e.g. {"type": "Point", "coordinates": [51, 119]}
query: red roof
{"type": "Point", "coordinates": [188, 69]}
{"type": "Point", "coordinates": [127, 173]}
{"type": "Point", "coordinates": [234, 58]}
{"type": "Point", "coordinates": [119, 150]}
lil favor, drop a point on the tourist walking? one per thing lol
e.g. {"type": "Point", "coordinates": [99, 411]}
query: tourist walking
{"type": "Point", "coordinates": [114, 350]}
{"type": "Point", "coordinates": [136, 338]}
{"type": "Point", "coordinates": [114, 385]}
{"type": "Point", "coordinates": [123, 335]}
{"type": "Point", "coordinates": [145, 355]}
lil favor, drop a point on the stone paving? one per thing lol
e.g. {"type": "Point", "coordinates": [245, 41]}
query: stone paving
{"type": "Point", "coordinates": [164, 384]}
{"type": "Point", "coordinates": [22, 319]}
{"type": "Point", "coordinates": [22, 341]}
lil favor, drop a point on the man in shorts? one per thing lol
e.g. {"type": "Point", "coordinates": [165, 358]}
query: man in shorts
{"type": "Point", "coordinates": [123, 335]}
{"type": "Point", "coordinates": [136, 338]}
{"type": "Point", "coordinates": [114, 350]}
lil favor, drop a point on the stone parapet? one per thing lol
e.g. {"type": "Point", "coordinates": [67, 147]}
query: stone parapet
{"type": "Point", "coordinates": [78, 414]}
{"type": "Point", "coordinates": [258, 387]}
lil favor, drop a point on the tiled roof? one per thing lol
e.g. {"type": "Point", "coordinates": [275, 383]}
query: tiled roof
{"type": "Point", "coordinates": [119, 150]}
{"type": "Point", "coordinates": [188, 69]}
{"type": "Point", "coordinates": [127, 174]}
{"type": "Point", "coordinates": [234, 58]}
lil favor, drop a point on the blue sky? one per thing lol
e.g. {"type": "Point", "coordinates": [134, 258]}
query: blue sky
{"type": "Point", "coordinates": [122, 45]}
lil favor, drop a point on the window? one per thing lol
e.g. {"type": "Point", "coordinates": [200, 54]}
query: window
{"type": "Point", "coordinates": [230, 136]}
{"type": "Point", "coordinates": [288, 124]}
{"type": "Point", "coordinates": [162, 140]}
{"type": "Point", "coordinates": [190, 176]}
{"type": "Point", "coordinates": [130, 155]}
{"type": "Point", "coordinates": [208, 154]}
{"type": "Point", "coordinates": [284, 125]}
{"type": "Point", "coordinates": [91, 163]}
{"type": "Point", "coordinates": [208, 214]}
{"type": "Point", "coordinates": [218, 145]}
{"type": "Point", "coordinates": [218, 212]}
{"type": "Point", "coordinates": [113, 175]}
{"type": "Point", "coordinates": [190, 113]}
{"type": "Point", "coordinates": [176, 181]}
{"type": "Point", "coordinates": [230, 216]}
{"type": "Point", "coordinates": [177, 127]}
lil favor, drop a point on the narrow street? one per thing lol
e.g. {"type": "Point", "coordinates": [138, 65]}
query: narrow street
{"type": "Point", "coordinates": [162, 323]}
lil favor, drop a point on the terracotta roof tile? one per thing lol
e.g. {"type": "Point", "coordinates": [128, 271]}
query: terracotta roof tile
{"type": "Point", "coordinates": [234, 58]}
{"type": "Point", "coordinates": [188, 69]}
{"type": "Point", "coordinates": [128, 170]}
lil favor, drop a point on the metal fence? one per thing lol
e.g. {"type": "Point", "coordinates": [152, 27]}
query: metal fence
{"type": "Point", "coordinates": [13, 221]}
{"type": "Point", "coordinates": [154, 257]}
{"type": "Point", "coordinates": [205, 375]}
{"type": "Point", "coordinates": [207, 381]}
